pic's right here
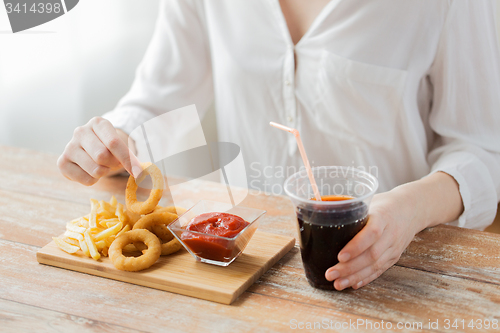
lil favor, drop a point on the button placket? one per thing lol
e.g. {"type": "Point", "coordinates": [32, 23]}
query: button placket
{"type": "Point", "coordinates": [289, 95]}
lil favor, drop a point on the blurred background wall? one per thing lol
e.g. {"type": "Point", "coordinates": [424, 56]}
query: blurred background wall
{"type": "Point", "coordinates": [57, 76]}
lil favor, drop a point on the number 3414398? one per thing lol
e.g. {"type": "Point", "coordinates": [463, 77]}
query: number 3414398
{"type": "Point", "coordinates": [474, 324]}
{"type": "Point", "coordinates": [36, 8]}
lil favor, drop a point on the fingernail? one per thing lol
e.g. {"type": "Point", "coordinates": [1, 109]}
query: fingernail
{"type": "Point", "coordinates": [343, 283]}
{"type": "Point", "coordinates": [359, 284]}
{"type": "Point", "coordinates": [332, 275]}
{"type": "Point", "coordinates": [136, 171]}
{"type": "Point", "coordinates": [343, 257]}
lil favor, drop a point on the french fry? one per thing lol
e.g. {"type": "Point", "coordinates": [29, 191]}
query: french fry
{"type": "Point", "coordinates": [126, 228]}
{"type": "Point", "coordinates": [65, 246]}
{"type": "Point", "coordinates": [100, 245]}
{"type": "Point", "coordinates": [113, 202]}
{"type": "Point", "coordinates": [94, 205]}
{"type": "Point", "coordinates": [107, 207]}
{"type": "Point", "coordinates": [72, 241]}
{"type": "Point", "coordinates": [94, 253]}
{"type": "Point", "coordinates": [109, 232]}
{"type": "Point", "coordinates": [84, 248]}
{"type": "Point", "coordinates": [95, 230]}
{"type": "Point", "coordinates": [104, 214]}
{"type": "Point", "coordinates": [83, 222]}
{"type": "Point", "coordinates": [109, 240]}
{"type": "Point", "coordinates": [122, 217]}
{"type": "Point", "coordinates": [73, 235]}
{"type": "Point", "coordinates": [74, 228]}
{"type": "Point", "coordinates": [104, 222]}
{"type": "Point", "coordinates": [94, 233]}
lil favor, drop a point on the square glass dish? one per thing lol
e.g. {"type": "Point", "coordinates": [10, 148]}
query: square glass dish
{"type": "Point", "coordinates": [213, 249]}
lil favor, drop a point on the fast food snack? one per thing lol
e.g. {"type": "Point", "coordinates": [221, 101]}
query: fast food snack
{"type": "Point", "coordinates": [157, 222]}
{"type": "Point", "coordinates": [93, 233]}
{"type": "Point", "coordinates": [133, 264]}
{"type": "Point", "coordinates": [110, 229]}
{"type": "Point", "coordinates": [149, 205]}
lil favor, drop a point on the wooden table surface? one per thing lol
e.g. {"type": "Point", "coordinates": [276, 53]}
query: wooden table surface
{"type": "Point", "coordinates": [446, 274]}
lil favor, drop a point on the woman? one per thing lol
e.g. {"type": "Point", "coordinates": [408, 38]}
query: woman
{"type": "Point", "coordinates": [409, 87]}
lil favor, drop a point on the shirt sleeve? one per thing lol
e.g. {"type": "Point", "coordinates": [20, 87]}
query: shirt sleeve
{"type": "Point", "coordinates": [465, 114]}
{"type": "Point", "coordinates": [175, 71]}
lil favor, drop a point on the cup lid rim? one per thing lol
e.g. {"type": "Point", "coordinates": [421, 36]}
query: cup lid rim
{"type": "Point", "coordinates": [303, 173]}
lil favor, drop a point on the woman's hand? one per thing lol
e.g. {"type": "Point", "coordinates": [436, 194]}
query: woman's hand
{"type": "Point", "coordinates": [395, 217]}
{"type": "Point", "coordinates": [97, 149]}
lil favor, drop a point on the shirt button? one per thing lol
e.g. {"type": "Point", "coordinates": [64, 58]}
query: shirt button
{"type": "Point", "coordinates": [287, 82]}
{"type": "Point", "coordinates": [290, 119]}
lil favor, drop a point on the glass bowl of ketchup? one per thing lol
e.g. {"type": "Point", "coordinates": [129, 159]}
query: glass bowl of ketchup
{"type": "Point", "coordinates": [216, 232]}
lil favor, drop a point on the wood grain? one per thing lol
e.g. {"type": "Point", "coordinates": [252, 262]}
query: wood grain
{"type": "Point", "coordinates": [33, 172]}
{"type": "Point", "coordinates": [26, 281]}
{"type": "Point", "coordinates": [17, 317]}
{"type": "Point", "coordinates": [35, 219]}
{"type": "Point", "coordinates": [400, 294]}
{"type": "Point", "coordinates": [446, 271]}
{"type": "Point", "coordinates": [449, 251]}
{"type": "Point", "coordinates": [181, 274]}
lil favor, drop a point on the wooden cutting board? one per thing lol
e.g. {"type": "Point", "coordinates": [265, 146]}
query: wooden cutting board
{"type": "Point", "coordinates": [181, 273]}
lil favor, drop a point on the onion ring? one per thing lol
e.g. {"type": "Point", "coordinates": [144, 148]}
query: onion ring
{"type": "Point", "coordinates": [161, 230]}
{"type": "Point", "coordinates": [163, 233]}
{"type": "Point", "coordinates": [171, 209]}
{"type": "Point", "coordinates": [157, 223]}
{"type": "Point", "coordinates": [170, 247]}
{"type": "Point", "coordinates": [133, 264]}
{"type": "Point", "coordinates": [149, 205]}
{"type": "Point", "coordinates": [132, 217]}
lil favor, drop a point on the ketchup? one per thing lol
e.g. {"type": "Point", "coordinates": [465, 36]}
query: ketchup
{"type": "Point", "coordinates": [217, 224]}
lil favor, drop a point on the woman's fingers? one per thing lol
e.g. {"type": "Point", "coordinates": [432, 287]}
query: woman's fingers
{"type": "Point", "coordinates": [94, 151]}
{"type": "Point", "coordinates": [109, 138]}
{"type": "Point", "coordinates": [74, 172]}
{"type": "Point", "coordinates": [90, 143]}
{"type": "Point", "coordinates": [83, 160]}
{"type": "Point", "coordinates": [366, 259]}
{"type": "Point", "coordinates": [375, 269]}
{"type": "Point", "coordinates": [371, 233]}
{"type": "Point", "coordinates": [366, 281]}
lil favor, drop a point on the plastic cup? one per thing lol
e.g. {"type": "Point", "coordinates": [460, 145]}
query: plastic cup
{"type": "Point", "coordinates": [326, 226]}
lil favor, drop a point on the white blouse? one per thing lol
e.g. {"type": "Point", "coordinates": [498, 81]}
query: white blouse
{"type": "Point", "coordinates": [401, 88]}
